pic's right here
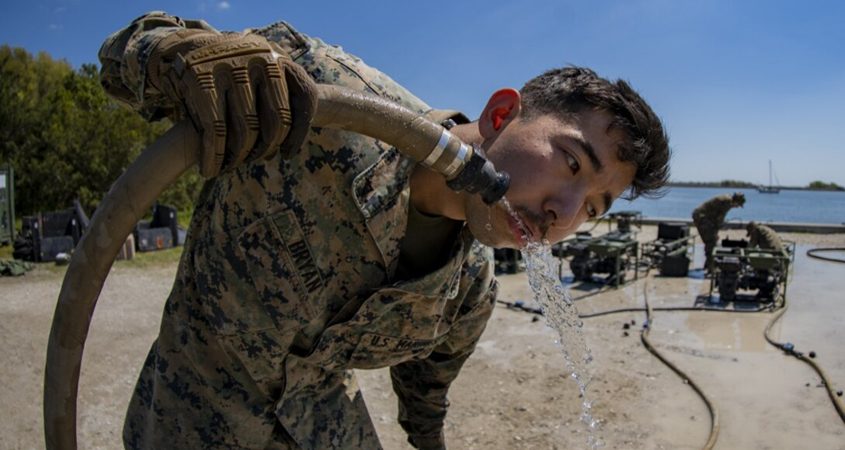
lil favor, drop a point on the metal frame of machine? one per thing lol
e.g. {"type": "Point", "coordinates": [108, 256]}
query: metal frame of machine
{"type": "Point", "coordinates": [672, 251]}
{"type": "Point", "coordinates": [740, 270]}
{"type": "Point", "coordinates": [613, 253]}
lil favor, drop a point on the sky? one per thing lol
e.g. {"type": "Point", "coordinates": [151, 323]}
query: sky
{"type": "Point", "coordinates": [736, 83]}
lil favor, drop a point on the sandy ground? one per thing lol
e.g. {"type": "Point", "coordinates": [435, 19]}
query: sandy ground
{"type": "Point", "coordinates": [513, 392]}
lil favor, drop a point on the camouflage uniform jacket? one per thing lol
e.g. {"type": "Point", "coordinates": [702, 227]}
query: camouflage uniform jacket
{"type": "Point", "coordinates": [713, 211]}
{"type": "Point", "coordinates": [287, 282]}
{"type": "Point", "coordinates": [764, 237]}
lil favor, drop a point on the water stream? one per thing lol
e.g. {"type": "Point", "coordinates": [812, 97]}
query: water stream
{"type": "Point", "coordinates": [562, 316]}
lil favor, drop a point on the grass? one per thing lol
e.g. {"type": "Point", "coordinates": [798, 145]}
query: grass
{"type": "Point", "coordinates": [142, 260]}
{"type": "Point", "coordinates": [183, 218]}
{"type": "Point", "coordinates": [157, 258]}
{"type": "Point", "coordinates": [6, 251]}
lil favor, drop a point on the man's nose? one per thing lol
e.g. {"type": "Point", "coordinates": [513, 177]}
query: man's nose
{"type": "Point", "coordinates": [562, 210]}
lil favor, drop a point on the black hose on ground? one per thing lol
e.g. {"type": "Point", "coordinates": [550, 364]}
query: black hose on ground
{"type": "Point", "coordinates": [522, 306]}
{"type": "Point", "coordinates": [786, 347]}
{"type": "Point", "coordinates": [812, 253]}
{"type": "Point", "coordinates": [676, 308]}
{"type": "Point", "coordinates": [711, 408]}
{"type": "Point", "coordinates": [780, 307]}
{"type": "Point", "coordinates": [789, 349]}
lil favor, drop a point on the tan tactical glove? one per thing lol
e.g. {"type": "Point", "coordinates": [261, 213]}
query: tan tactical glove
{"type": "Point", "coordinates": [243, 93]}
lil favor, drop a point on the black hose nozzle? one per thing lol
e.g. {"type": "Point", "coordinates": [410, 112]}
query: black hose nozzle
{"type": "Point", "coordinates": [479, 176]}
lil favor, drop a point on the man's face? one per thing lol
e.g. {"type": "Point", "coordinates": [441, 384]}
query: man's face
{"type": "Point", "coordinates": [562, 173]}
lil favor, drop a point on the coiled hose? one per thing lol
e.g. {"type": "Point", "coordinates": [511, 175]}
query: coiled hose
{"type": "Point", "coordinates": [161, 164]}
{"type": "Point", "coordinates": [814, 253]}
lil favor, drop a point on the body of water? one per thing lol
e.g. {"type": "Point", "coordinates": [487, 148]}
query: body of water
{"type": "Point", "coordinates": [786, 206]}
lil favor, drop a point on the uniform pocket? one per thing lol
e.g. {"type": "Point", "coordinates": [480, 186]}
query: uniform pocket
{"type": "Point", "coordinates": [262, 354]}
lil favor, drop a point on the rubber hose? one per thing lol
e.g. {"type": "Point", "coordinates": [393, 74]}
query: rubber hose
{"type": "Point", "coordinates": [837, 402]}
{"type": "Point", "coordinates": [813, 253]}
{"type": "Point", "coordinates": [132, 195]}
{"type": "Point", "coordinates": [711, 408]}
{"type": "Point", "coordinates": [126, 202]}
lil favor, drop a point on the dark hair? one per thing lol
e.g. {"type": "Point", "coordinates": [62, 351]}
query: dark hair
{"type": "Point", "coordinates": [571, 90]}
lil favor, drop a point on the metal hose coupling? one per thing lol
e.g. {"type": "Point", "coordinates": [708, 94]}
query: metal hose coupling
{"type": "Point", "coordinates": [475, 174]}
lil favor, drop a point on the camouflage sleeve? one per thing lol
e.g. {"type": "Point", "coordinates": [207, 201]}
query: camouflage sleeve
{"type": "Point", "coordinates": [766, 238]}
{"type": "Point", "coordinates": [754, 238]}
{"type": "Point", "coordinates": [774, 241]}
{"type": "Point", "coordinates": [422, 385]}
{"type": "Point", "coordinates": [124, 57]}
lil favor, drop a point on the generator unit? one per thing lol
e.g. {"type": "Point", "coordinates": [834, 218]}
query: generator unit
{"type": "Point", "coordinates": [749, 274]}
{"type": "Point", "coordinates": [672, 252]}
{"type": "Point", "coordinates": [610, 255]}
{"type": "Point", "coordinates": [160, 233]}
{"type": "Point", "coordinates": [625, 220]}
{"type": "Point", "coordinates": [45, 235]}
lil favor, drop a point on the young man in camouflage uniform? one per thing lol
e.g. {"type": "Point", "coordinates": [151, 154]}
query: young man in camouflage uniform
{"type": "Point", "coordinates": [338, 252]}
{"type": "Point", "coordinates": [709, 217]}
{"type": "Point", "coordinates": [764, 237]}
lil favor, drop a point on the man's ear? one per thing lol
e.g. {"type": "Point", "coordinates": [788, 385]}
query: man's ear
{"type": "Point", "coordinates": [504, 105]}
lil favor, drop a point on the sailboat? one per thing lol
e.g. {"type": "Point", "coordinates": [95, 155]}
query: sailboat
{"type": "Point", "coordinates": [770, 189]}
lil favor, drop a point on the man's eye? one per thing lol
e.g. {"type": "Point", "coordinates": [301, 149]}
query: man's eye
{"type": "Point", "coordinates": [573, 163]}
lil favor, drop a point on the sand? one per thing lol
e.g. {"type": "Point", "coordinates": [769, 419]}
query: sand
{"type": "Point", "coordinates": [513, 392]}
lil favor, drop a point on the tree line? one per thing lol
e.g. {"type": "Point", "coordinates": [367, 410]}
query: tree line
{"type": "Point", "coordinates": [822, 186]}
{"type": "Point", "coordinates": [813, 186]}
{"type": "Point", "coordinates": [66, 139]}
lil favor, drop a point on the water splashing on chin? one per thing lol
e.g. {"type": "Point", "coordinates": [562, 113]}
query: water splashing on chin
{"type": "Point", "coordinates": [562, 316]}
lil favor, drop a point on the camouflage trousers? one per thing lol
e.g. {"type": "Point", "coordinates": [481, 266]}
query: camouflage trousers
{"type": "Point", "coordinates": [709, 233]}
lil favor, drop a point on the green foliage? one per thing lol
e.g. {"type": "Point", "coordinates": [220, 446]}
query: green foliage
{"type": "Point", "coordinates": [66, 138]}
{"type": "Point", "coordinates": [723, 183]}
{"type": "Point", "coordinates": [822, 186]}
{"type": "Point", "coordinates": [735, 184]}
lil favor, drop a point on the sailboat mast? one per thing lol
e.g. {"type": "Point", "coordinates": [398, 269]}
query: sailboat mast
{"type": "Point", "coordinates": [770, 189]}
{"type": "Point", "coordinates": [770, 173]}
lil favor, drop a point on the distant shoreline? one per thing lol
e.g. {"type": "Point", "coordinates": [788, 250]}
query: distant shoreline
{"type": "Point", "coordinates": [745, 185]}
{"type": "Point", "coordinates": [738, 224]}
